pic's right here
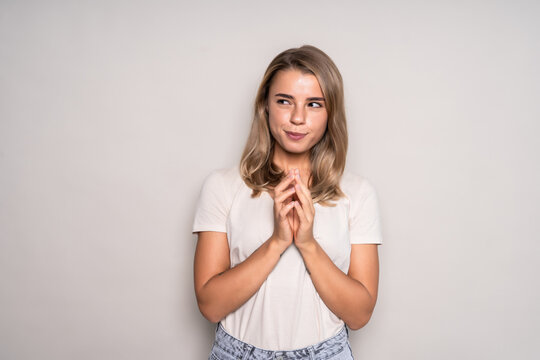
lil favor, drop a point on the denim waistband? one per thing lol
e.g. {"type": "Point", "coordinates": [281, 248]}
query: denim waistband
{"type": "Point", "coordinates": [227, 347]}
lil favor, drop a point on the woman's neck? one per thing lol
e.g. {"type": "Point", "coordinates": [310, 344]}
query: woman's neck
{"type": "Point", "coordinates": [286, 161]}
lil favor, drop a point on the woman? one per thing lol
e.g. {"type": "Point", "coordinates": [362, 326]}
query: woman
{"type": "Point", "coordinates": [286, 256]}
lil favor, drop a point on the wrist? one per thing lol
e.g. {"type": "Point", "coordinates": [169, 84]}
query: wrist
{"type": "Point", "coordinates": [307, 247]}
{"type": "Point", "coordinates": [276, 245]}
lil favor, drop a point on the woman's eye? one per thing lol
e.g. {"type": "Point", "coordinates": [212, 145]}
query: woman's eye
{"type": "Point", "coordinates": [315, 104]}
{"type": "Point", "coordinates": [283, 101]}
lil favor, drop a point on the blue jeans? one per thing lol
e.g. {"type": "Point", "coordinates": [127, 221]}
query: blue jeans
{"type": "Point", "coordinates": [227, 347]}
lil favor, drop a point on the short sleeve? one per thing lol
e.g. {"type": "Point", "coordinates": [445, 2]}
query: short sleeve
{"type": "Point", "coordinates": [213, 204]}
{"type": "Point", "coordinates": [364, 217]}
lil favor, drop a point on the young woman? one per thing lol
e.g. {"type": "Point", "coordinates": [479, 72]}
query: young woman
{"type": "Point", "coordinates": [286, 256]}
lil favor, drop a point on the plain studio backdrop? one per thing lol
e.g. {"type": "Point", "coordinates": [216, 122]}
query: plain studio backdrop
{"type": "Point", "coordinates": [113, 112]}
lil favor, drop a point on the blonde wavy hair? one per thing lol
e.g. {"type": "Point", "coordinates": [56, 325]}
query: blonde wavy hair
{"type": "Point", "coordinates": [327, 156]}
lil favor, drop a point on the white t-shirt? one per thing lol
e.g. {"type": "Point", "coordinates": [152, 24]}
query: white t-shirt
{"type": "Point", "coordinates": [286, 312]}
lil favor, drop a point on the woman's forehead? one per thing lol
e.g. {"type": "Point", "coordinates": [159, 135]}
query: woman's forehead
{"type": "Point", "coordinates": [296, 81]}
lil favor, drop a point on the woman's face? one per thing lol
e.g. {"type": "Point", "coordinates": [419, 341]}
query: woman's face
{"type": "Point", "coordinates": [296, 111]}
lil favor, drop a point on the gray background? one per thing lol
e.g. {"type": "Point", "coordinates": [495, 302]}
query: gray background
{"type": "Point", "coordinates": [113, 112]}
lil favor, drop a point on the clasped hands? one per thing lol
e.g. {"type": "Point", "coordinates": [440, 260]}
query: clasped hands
{"type": "Point", "coordinates": [293, 212]}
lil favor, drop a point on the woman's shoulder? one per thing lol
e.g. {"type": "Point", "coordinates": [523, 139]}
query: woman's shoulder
{"type": "Point", "coordinates": [215, 200]}
{"type": "Point", "coordinates": [226, 179]}
{"type": "Point", "coordinates": [226, 174]}
{"type": "Point", "coordinates": [354, 185]}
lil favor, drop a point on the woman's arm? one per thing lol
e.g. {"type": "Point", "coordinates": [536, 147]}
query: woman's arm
{"type": "Point", "coordinates": [221, 289]}
{"type": "Point", "coordinates": [351, 296]}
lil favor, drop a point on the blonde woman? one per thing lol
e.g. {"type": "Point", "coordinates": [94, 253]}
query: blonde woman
{"type": "Point", "coordinates": [286, 256]}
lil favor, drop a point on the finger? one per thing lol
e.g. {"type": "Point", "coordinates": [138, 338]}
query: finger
{"type": "Point", "coordinates": [291, 218]}
{"type": "Point", "coordinates": [301, 213]}
{"type": "Point", "coordinates": [301, 194]}
{"type": "Point", "coordinates": [305, 199]}
{"type": "Point", "coordinates": [284, 195]}
{"type": "Point", "coordinates": [285, 210]}
{"type": "Point", "coordinates": [303, 187]}
{"type": "Point", "coordinates": [284, 183]}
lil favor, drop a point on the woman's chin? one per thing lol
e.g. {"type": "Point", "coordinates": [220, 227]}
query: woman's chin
{"type": "Point", "coordinates": [296, 150]}
{"type": "Point", "coordinates": [293, 148]}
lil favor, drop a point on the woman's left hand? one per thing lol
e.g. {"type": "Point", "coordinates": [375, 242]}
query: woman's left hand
{"type": "Point", "coordinates": [304, 213]}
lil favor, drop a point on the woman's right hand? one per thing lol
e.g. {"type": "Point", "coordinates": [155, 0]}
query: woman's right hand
{"type": "Point", "coordinates": [283, 205]}
{"type": "Point", "coordinates": [220, 288]}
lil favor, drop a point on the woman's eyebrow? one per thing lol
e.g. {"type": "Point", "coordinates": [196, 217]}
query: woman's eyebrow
{"type": "Point", "coordinates": [285, 95]}
{"type": "Point", "coordinates": [292, 97]}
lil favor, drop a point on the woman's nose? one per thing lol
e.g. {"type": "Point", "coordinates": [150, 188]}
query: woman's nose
{"type": "Point", "coordinates": [298, 115]}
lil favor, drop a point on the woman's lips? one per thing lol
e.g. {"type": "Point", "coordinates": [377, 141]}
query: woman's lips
{"type": "Point", "coordinates": [294, 135]}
